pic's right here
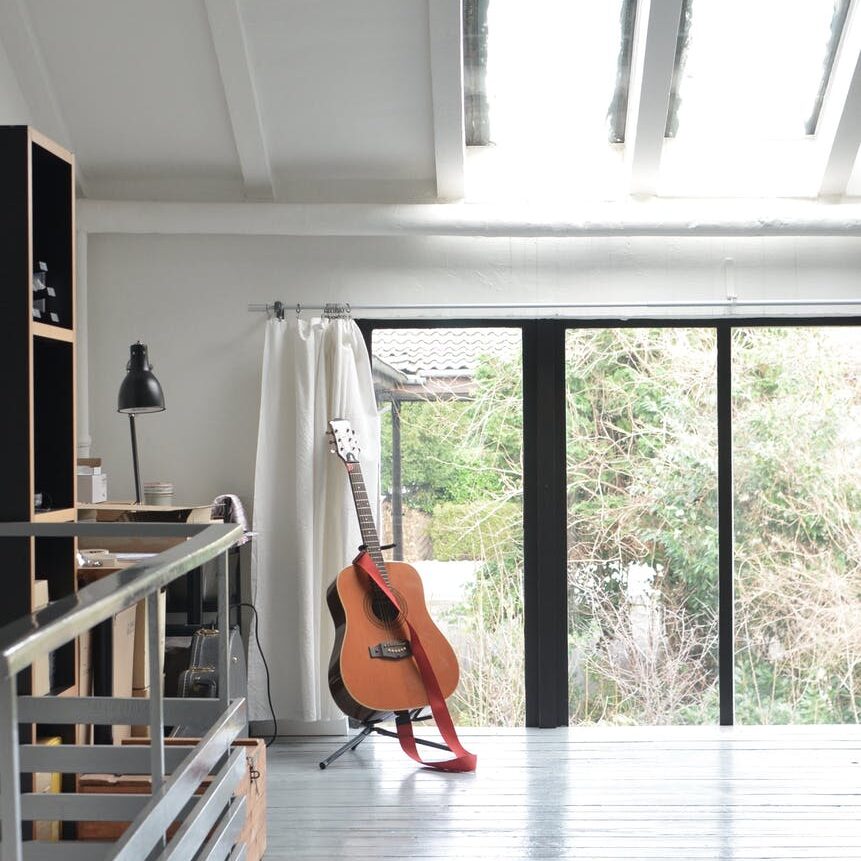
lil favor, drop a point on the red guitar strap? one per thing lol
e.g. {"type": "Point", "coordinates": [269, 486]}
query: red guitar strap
{"type": "Point", "coordinates": [463, 760]}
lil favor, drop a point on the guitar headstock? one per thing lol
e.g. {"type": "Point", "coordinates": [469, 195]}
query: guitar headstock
{"type": "Point", "coordinates": [342, 440]}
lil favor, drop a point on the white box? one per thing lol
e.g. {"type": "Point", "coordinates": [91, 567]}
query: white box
{"type": "Point", "coordinates": [92, 488]}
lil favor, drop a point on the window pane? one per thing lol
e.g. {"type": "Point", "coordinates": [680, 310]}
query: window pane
{"type": "Point", "coordinates": [452, 498]}
{"type": "Point", "coordinates": [525, 65]}
{"type": "Point", "coordinates": [753, 69]}
{"type": "Point", "coordinates": [537, 53]}
{"type": "Point", "coordinates": [797, 474]}
{"type": "Point", "coordinates": [642, 525]}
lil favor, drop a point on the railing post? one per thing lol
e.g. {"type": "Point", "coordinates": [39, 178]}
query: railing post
{"type": "Point", "coordinates": [156, 699]}
{"type": "Point", "coordinates": [11, 848]}
{"type": "Point", "coordinates": [224, 629]}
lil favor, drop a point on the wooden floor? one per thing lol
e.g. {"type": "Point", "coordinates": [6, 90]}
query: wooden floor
{"type": "Point", "coordinates": [632, 793]}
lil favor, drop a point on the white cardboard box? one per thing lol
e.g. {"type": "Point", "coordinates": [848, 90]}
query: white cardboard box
{"type": "Point", "coordinates": [93, 488]}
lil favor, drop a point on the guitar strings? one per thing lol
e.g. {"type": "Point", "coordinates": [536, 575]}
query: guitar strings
{"type": "Point", "coordinates": [382, 608]}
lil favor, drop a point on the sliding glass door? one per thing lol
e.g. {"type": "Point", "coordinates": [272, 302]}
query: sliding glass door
{"type": "Point", "coordinates": [452, 487]}
{"type": "Point", "coordinates": [797, 477]}
{"type": "Point", "coordinates": [656, 522]}
{"type": "Point", "coordinates": [642, 525]}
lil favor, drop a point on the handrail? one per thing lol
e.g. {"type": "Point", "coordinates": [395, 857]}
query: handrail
{"type": "Point", "coordinates": [30, 636]}
{"type": "Point", "coordinates": [36, 634]}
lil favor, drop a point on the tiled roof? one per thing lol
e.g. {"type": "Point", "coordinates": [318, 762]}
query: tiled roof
{"type": "Point", "coordinates": [429, 352]}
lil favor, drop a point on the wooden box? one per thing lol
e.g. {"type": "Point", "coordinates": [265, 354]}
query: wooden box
{"type": "Point", "coordinates": [47, 781]}
{"type": "Point", "coordinates": [252, 786]}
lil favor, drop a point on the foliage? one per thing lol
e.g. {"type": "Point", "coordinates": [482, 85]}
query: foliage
{"type": "Point", "coordinates": [485, 528]}
{"type": "Point", "coordinates": [642, 478]}
{"type": "Point", "coordinates": [461, 451]}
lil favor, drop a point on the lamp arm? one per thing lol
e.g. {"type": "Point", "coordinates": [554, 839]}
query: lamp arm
{"type": "Point", "coordinates": [136, 465]}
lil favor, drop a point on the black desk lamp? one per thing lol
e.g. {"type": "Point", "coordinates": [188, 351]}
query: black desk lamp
{"type": "Point", "coordinates": [140, 392]}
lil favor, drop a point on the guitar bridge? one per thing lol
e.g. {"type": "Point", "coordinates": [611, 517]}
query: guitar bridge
{"type": "Point", "coordinates": [391, 651]}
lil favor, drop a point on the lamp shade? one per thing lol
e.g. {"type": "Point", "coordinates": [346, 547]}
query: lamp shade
{"type": "Point", "coordinates": [140, 391]}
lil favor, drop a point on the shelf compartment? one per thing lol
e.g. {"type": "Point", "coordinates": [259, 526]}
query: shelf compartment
{"type": "Point", "coordinates": [53, 415]}
{"type": "Point", "coordinates": [53, 229]}
{"type": "Point", "coordinates": [16, 554]}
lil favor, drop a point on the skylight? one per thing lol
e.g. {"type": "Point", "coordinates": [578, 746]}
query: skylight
{"type": "Point", "coordinates": [546, 90]}
{"type": "Point", "coordinates": [544, 84]}
{"type": "Point", "coordinates": [753, 68]}
{"type": "Point", "coordinates": [541, 55]}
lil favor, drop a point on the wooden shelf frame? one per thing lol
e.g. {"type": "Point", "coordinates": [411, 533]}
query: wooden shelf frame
{"type": "Point", "coordinates": [37, 224]}
{"type": "Point", "coordinates": [55, 515]}
{"type": "Point", "coordinates": [52, 332]}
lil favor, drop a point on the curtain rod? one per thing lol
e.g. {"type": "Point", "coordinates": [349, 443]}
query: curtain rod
{"type": "Point", "coordinates": [333, 310]}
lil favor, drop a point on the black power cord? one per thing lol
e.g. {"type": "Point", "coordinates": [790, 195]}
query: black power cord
{"type": "Point", "coordinates": [265, 666]}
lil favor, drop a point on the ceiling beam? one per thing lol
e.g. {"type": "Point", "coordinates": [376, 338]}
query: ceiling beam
{"type": "Point", "coordinates": [25, 56]}
{"type": "Point", "coordinates": [240, 92]}
{"type": "Point", "coordinates": [656, 31]}
{"type": "Point", "coordinates": [656, 218]}
{"type": "Point", "coordinates": [838, 133]}
{"type": "Point", "coordinates": [446, 60]}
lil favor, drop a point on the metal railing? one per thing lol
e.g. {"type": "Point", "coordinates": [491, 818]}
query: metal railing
{"type": "Point", "coordinates": [211, 822]}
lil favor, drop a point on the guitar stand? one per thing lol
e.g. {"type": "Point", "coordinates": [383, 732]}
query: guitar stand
{"type": "Point", "coordinates": [371, 726]}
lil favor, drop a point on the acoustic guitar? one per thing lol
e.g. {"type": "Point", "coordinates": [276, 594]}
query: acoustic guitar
{"type": "Point", "coordinates": [372, 672]}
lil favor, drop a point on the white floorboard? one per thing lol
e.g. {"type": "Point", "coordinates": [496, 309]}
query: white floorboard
{"type": "Point", "coordinates": [604, 793]}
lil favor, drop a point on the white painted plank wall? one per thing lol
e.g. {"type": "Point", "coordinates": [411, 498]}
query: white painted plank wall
{"type": "Point", "coordinates": [186, 297]}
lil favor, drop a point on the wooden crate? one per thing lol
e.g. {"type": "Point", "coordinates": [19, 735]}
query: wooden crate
{"type": "Point", "coordinates": [252, 786]}
{"type": "Point", "coordinates": [48, 781]}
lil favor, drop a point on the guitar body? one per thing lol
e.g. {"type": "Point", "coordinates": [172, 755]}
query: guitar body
{"type": "Point", "coordinates": [367, 687]}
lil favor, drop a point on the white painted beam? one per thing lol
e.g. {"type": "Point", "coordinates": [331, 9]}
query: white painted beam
{"type": "Point", "coordinates": [656, 31]}
{"type": "Point", "coordinates": [658, 218]}
{"type": "Point", "coordinates": [25, 56]}
{"type": "Point", "coordinates": [446, 59]}
{"type": "Point", "coordinates": [240, 92]}
{"type": "Point", "coordinates": [838, 132]}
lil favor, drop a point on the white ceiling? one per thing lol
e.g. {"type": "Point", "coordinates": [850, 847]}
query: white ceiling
{"type": "Point", "coordinates": [328, 101]}
{"type": "Point", "coordinates": [231, 99]}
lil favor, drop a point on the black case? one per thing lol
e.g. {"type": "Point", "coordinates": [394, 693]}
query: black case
{"type": "Point", "coordinates": [199, 682]}
{"type": "Point", "coordinates": [200, 678]}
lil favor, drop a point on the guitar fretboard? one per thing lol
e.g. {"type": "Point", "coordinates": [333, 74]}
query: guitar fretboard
{"type": "Point", "coordinates": [366, 519]}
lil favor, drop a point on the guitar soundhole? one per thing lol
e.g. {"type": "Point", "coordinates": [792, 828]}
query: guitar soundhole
{"type": "Point", "coordinates": [380, 610]}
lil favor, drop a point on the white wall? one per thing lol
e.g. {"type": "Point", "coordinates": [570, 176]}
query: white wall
{"type": "Point", "coordinates": [186, 297]}
{"type": "Point", "coordinates": [13, 107]}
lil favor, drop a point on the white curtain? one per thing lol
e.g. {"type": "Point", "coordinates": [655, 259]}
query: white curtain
{"type": "Point", "coordinates": [313, 371]}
